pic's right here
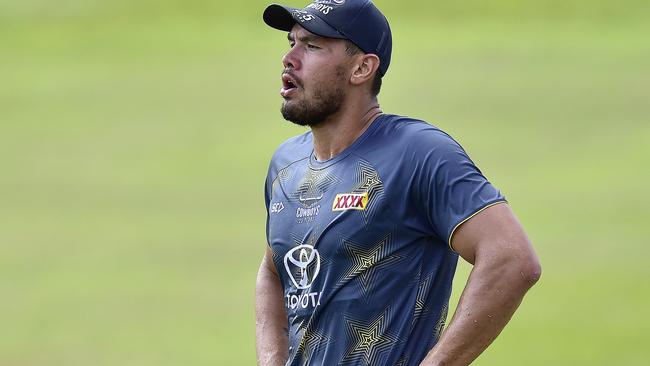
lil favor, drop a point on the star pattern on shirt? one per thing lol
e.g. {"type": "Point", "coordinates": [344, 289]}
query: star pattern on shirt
{"type": "Point", "coordinates": [364, 262]}
{"type": "Point", "coordinates": [299, 237]}
{"type": "Point", "coordinates": [309, 341]}
{"type": "Point", "coordinates": [277, 259]}
{"type": "Point", "coordinates": [402, 361]}
{"type": "Point", "coordinates": [370, 340]}
{"type": "Point", "coordinates": [421, 306]}
{"type": "Point", "coordinates": [284, 175]}
{"type": "Point", "coordinates": [440, 325]}
{"type": "Point", "coordinates": [312, 186]}
{"type": "Point", "coordinates": [368, 180]}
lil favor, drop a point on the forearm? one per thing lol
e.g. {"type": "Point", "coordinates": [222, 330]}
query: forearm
{"type": "Point", "coordinates": [271, 319]}
{"type": "Point", "coordinates": [491, 296]}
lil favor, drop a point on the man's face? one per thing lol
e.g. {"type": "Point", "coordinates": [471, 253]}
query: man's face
{"type": "Point", "coordinates": [314, 78]}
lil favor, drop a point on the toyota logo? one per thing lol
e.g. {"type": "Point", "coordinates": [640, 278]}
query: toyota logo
{"type": "Point", "coordinates": [302, 264]}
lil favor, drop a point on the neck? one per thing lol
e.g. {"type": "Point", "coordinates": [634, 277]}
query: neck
{"type": "Point", "coordinates": [335, 134]}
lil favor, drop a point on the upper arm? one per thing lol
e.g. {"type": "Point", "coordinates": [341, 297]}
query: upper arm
{"type": "Point", "coordinates": [496, 235]}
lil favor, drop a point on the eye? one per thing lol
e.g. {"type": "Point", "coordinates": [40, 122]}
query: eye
{"type": "Point", "coordinates": [312, 47]}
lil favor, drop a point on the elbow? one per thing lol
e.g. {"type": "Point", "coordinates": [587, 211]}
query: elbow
{"type": "Point", "coordinates": [516, 265]}
{"type": "Point", "coordinates": [521, 270]}
{"type": "Point", "coordinates": [530, 269]}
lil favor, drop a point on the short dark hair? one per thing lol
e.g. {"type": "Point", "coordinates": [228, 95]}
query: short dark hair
{"type": "Point", "coordinates": [352, 49]}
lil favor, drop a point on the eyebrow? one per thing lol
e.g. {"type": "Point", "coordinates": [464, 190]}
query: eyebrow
{"type": "Point", "coordinates": [304, 39]}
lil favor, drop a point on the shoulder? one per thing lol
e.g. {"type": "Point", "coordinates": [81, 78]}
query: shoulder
{"type": "Point", "coordinates": [295, 149]}
{"type": "Point", "coordinates": [415, 137]}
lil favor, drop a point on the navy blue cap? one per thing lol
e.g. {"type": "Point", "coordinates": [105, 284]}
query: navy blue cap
{"type": "Point", "coordinates": [358, 21]}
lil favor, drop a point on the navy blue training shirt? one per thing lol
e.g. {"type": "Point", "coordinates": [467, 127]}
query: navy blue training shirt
{"type": "Point", "coordinates": [361, 241]}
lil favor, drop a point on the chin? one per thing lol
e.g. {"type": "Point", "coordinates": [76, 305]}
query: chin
{"type": "Point", "coordinates": [313, 111]}
{"type": "Point", "coordinates": [290, 115]}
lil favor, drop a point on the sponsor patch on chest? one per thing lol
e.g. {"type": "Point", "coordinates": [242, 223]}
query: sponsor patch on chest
{"type": "Point", "coordinates": [350, 201]}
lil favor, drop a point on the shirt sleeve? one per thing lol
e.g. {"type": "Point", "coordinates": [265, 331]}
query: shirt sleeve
{"type": "Point", "coordinates": [452, 188]}
{"type": "Point", "coordinates": [268, 186]}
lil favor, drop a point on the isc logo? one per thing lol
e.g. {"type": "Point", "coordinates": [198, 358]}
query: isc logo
{"type": "Point", "coordinates": [350, 201]}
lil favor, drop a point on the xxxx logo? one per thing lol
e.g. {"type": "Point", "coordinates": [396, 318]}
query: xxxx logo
{"type": "Point", "coordinates": [350, 201]}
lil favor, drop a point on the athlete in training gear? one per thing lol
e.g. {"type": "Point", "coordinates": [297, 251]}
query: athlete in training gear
{"type": "Point", "coordinates": [368, 212]}
{"type": "Point", "coordinates": [360, 241]}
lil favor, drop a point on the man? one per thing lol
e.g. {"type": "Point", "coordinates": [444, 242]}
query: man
{"type": "Point", "coordinates": [368, 212]}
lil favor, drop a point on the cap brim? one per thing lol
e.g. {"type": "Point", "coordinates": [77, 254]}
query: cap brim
{"type": "Point", "coordinates": [284, 18]}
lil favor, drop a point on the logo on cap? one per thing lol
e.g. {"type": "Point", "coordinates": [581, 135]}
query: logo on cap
{"type": "Point", "coordinates": [330, 2]}
{"type": "Point", "coordinates": [302, 15]}
{"type": "Point", "coordinates": [325, 6]}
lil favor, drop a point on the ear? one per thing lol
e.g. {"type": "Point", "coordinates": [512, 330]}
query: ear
{"type": "Point", "coordinates": [365, 67]}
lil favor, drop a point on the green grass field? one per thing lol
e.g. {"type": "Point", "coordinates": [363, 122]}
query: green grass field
{"type": "Point", "coordinates": [134, 141]}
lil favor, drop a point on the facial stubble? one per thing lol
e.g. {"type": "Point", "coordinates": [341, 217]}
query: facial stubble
{"type": "Point", "coordinates": [326, 102]}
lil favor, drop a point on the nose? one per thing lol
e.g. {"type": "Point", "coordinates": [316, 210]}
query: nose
{"type": "Point", "coordinates": [291, 59]}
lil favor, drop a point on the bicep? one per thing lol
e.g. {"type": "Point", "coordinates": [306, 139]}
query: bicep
{"type": "Point", "coordinates": [492, 234]}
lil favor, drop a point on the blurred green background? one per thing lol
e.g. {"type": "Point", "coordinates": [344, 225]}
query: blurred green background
{"type": "Point", "coordinates": [135, 136]}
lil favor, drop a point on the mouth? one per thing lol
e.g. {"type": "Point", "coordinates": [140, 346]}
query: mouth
{"type": "Point", "coordinates": [289, 85]}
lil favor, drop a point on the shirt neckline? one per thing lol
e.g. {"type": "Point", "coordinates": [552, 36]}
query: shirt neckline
{"type": "Point", "coordinates": [316, 164]}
